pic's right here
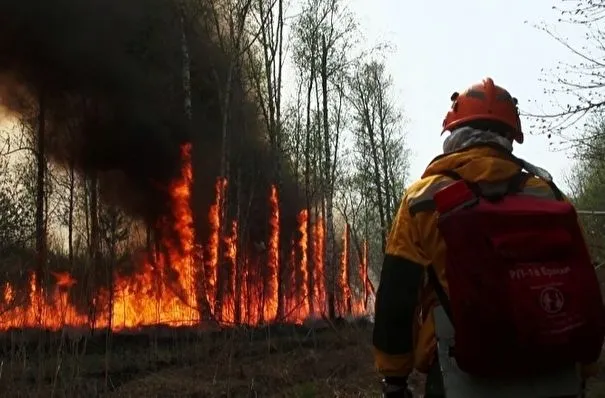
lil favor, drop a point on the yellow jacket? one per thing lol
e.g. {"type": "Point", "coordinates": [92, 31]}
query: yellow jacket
{"type": "Point", "coordinates": [404, 332]}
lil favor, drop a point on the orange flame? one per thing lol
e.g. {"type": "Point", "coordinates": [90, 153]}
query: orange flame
{"type": "Point", "coordinates": [290, 296]}
{"type": "Point", "coordinates": [165, 290]}
{"type": "Point", "coordinates": [211, 266]}
{"type": "Point", "coordinates": [64, 279]}
{"type": "Point", "coordinates": [244, 303]}
{"type": "Point", "coordinates": [343, 276]}
{"type": "Point", "coordinates": [255, 291]}
{"type": "Point", "coordinates": [228, 301]}
{"type": "Point", "coordinates": [319, 287]}
{"type": "Point", "coordinates": [360, 304]}
{"type": "Point", "coordinates": [303, 267]}
{"type": "Point", "coordinates": [271, 294]}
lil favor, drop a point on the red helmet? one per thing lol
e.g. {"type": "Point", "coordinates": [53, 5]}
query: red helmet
{"type": "Point", "coordinates": [486, 102]}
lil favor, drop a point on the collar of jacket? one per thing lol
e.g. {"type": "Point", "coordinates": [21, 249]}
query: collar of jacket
{"type": "Point", "coordinates": [477, 162]}
{"type": "Point", "coordinates": [465, 137]}
{"type": "Point", "coordinates": [477, 155]}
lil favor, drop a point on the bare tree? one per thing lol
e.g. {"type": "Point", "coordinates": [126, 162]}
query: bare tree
{"type": "Point", "coordinates": [381, 157]}
{"type": "Point", "coordinates": [113, 231]}
{"type": "Point", "coordinates": [587, 185]}
{"type": "Point", "coordinates": [40, 195]}
{"type": "Point", "coordinates": [324, 33]}
{"type": "Point", "coordinates": [266, 71]}
{"type": "Point", "coordinates": [265, 67]}
{"type": "Point", "coordinates": [94, 249]}
{"type": "Point", "coordinates": [230, 19]}
{"type": "Point", "coordinates": [577, 89]}
{"type": "Point", "coordinates": [16, 214]}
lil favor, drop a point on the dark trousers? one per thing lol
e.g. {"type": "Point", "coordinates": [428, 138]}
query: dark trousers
{"type": "Point", "coordinates": [434, 381]}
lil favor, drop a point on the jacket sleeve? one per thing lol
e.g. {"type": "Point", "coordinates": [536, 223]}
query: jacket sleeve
{"type": "Point", "coordinates": [398, 296]}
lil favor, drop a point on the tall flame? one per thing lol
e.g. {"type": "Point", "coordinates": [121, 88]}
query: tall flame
{"type": "Point", "coordinates": [164, 289]}
{"type": "Point", "coordinates": [303, 266]}
{"type": "Point", "coordinates": [319, 286]}
{"type": "Point", "coordinates": [228, 301]}
{"type": "Point", "coordinates": [290, 297]}
{"type": "Point", "coordinates": [272, 293]}
{"type": "Point", "coordinates": [343, 276]}
{"type": "Point", "coordinates": [212, 264]}
{"type": "Point", "coordinates": [245, 293]}
{"type": "Point", "coordinates": [361, 303]}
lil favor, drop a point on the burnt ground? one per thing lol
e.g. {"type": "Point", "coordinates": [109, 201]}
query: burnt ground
{"type": "Point", "coordinates": [325, 361]}
{"type": "Point", "coordinates": [328, 360]}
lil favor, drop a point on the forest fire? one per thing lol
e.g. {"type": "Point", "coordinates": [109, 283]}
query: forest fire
{"type": "Point", "coordinates": [215, 282]}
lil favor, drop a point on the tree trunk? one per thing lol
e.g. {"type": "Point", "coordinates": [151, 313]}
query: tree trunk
{"type": "Point", "coordinates": [40, 195]}
{"type": "Point", "coordinates": [377, 181]}
{"type": "Point", "coordinates": [111, 243]}
{"type": "Point", "coordinates": [382, 114]}
{"type": "Point", "coordinates": [186, 68]}
{"type": "Point", "coordinates": [70, 215]}
{"type": "Point", "coordinates": [327, 169]}
{"type": "Point", "coordinates": [41, 246]}
{"type": "Point", "coordinates": [271, 41]}
{"type": "Point", "coordinates": [239, 259]}
{"type": "Point", "coordinates": [307, 150]}
{"type": "Point", "coordinates": [94, 252]}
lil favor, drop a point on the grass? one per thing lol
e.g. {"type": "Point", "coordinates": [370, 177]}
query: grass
{"type": "Point", "coordinates": [303, 372]}
{"type": "Point", "coordinates": [325, 364]}
{"type": "Point", "coordinates": [596, 385]}
{"type": "Point", "coordinates": [291, 362]}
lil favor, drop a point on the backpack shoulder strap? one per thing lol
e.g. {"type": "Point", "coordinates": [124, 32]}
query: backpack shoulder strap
{"type": "Point", "coordinates": [440, 292]}
{"type": "Point", "coordinates": [514, 185]}
{"type": "Point", "coordinates": [539, 173]}
{"type": "Point", "coordinates": [556, 191]}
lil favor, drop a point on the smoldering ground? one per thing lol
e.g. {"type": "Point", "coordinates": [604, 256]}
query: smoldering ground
{"type": "Point", "coordinates": [108, 75]}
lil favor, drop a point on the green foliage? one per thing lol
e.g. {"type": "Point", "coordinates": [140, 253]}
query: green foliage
{"type": "Point", "coordinates": [588, 185]}
{"type": "Point", "coordinates": [379, 128]}
{"type": "Point", "coordinates": [319, 21]}
{"type": "Point", "coordinates": [380, 157]}
{"type": "Point", "coordinates": [576, 86]}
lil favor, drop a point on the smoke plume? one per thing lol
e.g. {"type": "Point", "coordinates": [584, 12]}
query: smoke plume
{"type": "Point", "coordinates": [109, 75]}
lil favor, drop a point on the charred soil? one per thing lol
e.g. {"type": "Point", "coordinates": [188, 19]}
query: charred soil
{"type": "Point", "coordinates": [319, 360]}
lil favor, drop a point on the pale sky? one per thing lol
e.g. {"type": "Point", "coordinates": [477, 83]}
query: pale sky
{"type": "Point", "coordinates": [443, 46]}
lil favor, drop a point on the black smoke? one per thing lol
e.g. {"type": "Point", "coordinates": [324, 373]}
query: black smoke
{"type": "Point", "coordinates": [109, 75]}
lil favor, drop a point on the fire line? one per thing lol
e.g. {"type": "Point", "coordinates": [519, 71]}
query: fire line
{"type": "Point", "coordinates": [249, 293]}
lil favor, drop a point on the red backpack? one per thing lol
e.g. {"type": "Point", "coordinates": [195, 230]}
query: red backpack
{"type": "Point", "coordinates": [523, 293]}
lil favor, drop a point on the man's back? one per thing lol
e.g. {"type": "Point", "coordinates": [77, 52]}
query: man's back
{"type": "Point", "coordinates": [485, 165]}
{"type": "Point", "coordinates": [415, 237]}
{"type": "Point", "coordinates": [416, 243]}
{"type": "Point", "coordinates": [484, 122]}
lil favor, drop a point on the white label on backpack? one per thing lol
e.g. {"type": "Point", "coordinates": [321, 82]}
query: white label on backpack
{"type": "Point", "coordinates": [552, 300]}
{"type": "Point", "coordinates": [528, 271]}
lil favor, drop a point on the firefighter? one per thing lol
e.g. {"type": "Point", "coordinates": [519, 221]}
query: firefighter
{"type": "Point", "coordinates": [483, 123]}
